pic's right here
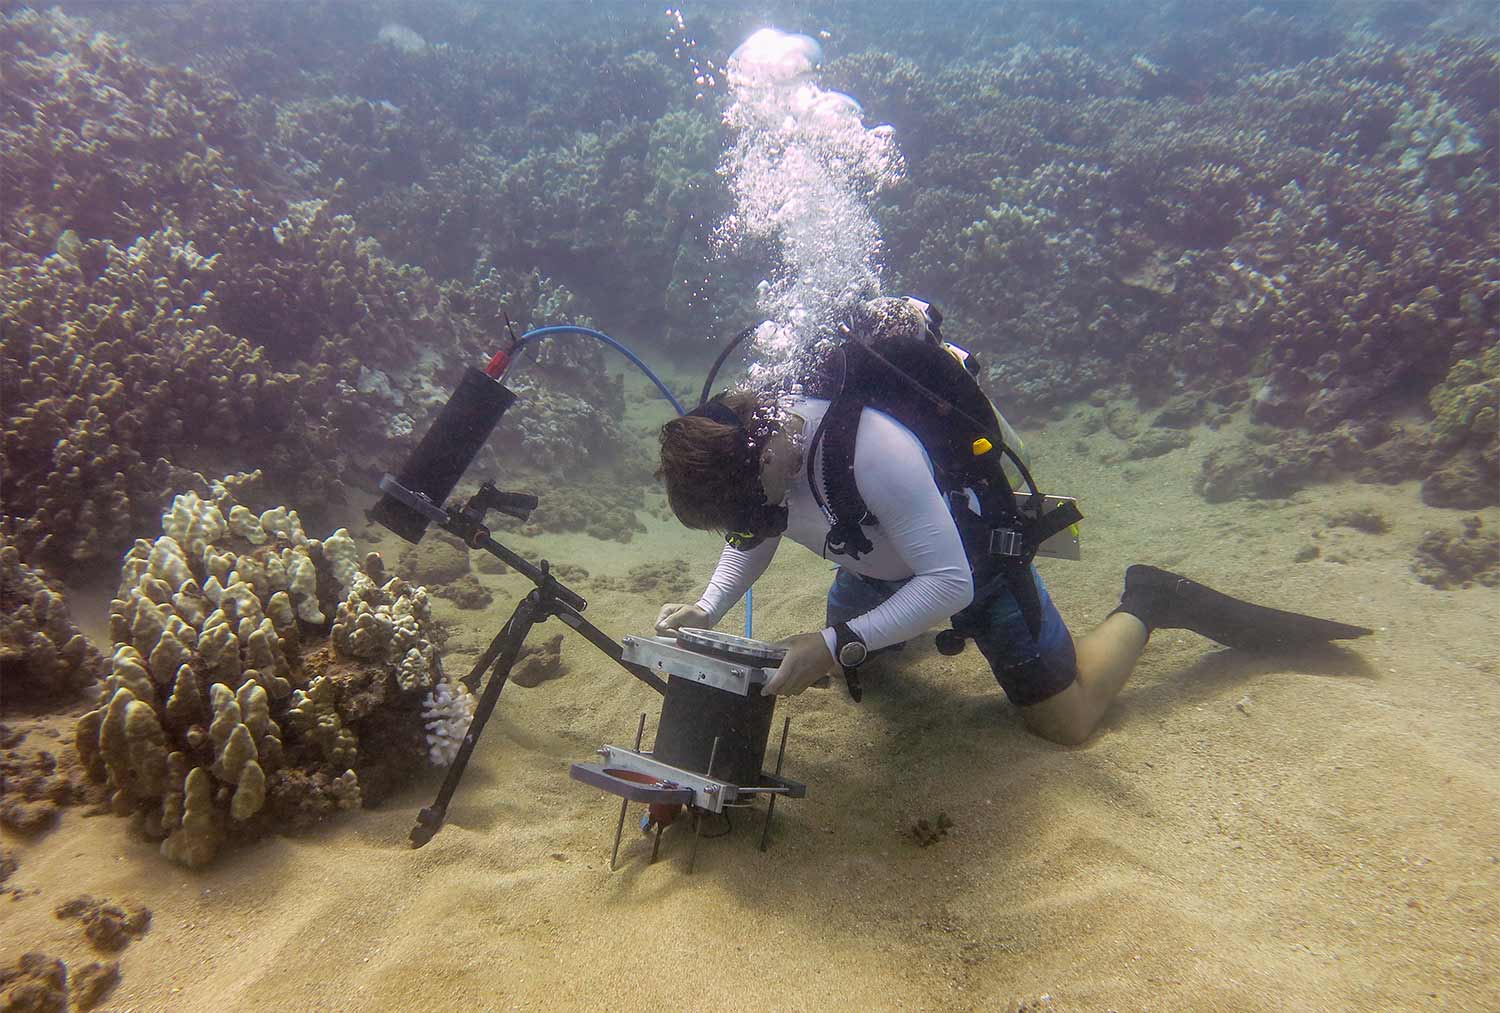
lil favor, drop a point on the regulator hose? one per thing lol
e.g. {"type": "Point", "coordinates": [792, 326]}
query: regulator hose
{"type": "Point", "coordinates": [537, 333]}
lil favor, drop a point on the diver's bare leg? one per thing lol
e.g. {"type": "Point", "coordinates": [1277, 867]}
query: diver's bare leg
{"type": "Point", "coordinates": [1106, 656]}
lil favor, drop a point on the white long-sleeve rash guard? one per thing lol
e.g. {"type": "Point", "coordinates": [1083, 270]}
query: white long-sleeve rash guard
{"type": "Point", "coordinates": [915, 536]}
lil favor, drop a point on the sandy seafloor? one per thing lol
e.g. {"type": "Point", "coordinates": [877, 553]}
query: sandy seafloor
{"type": "Point", "coordinates": [1242, 833]}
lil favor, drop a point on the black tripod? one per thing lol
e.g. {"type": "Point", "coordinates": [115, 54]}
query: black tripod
{"type": "Point", "coordinates": [550, 597]}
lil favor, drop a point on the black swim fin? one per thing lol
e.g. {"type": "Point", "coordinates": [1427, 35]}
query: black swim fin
{"type": "Point", "coordinates": [1165, 601]}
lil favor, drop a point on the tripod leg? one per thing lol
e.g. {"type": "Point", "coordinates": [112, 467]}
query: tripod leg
{"type": "Point", "coordinates": [430, 819]}
{"type": "Point", "coordinates": [471, 681]}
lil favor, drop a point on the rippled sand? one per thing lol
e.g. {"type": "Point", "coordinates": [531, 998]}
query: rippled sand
{"type": "Point", "coordinates": [1242, 834]}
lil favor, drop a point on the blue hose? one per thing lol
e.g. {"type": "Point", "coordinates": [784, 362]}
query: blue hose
{"type": "Point", "coordinates": [541, 332]}
{"type": "Point", "coordinates": [538, 333]}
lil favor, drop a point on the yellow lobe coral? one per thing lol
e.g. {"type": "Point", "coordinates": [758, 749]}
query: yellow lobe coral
{"type": "Point", "coordinates": [146, 750]}
{"type": "Point", "coordinates": [255, 708]}
{"type": "Point", "coordinates": [238, 751]}
{"type": "Point", "coordinates": [169, 656]}
{"type": "Point", "coordinates": [130, 673]}
{"type": "Point", "coordinates": [220, 650]}
{"type": "Point", "coordinates": [196, 841]}
{"type": "Point", "coordinates": [185, 707]}
{"type": "Point", "coordinates": [251, 793]}
{"type": "Point", "coordinates": [86, 741]}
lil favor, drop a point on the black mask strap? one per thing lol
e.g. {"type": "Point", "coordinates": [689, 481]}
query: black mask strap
{"type": "Point", "coordinates": [717, 411]}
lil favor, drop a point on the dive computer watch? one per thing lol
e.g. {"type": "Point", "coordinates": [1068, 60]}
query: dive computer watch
{"type": "Point", "coordinates": [849, 647]}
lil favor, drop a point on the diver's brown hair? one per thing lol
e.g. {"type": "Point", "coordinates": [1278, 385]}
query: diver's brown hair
{"type": "Point", "coordinates": [708, 467]}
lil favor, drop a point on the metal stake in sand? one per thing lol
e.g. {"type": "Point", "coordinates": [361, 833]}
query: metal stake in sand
{"type": "Point", "coordinates": [765, 834]}
{"type": "Point", "coordinates": [640, 730]}
{"type": "Point", "coordinates": [698, 813]}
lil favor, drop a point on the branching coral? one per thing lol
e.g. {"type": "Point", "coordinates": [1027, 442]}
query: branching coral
{"type": "Point", "coordinates": [232, 710]}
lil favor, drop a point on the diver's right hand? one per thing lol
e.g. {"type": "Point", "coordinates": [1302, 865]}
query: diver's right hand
{"type": "Point", "coordinates": [675, 616]}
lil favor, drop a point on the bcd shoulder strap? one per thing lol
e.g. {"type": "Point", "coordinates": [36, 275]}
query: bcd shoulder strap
{"type": "Point", "coordinates": [835, 436]}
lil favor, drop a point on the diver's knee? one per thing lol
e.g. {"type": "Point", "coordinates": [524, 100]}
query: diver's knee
{"type": "Point", "coordinates": [1062, 733]}
{"type": "Point", "coordinates": [1064, 718]}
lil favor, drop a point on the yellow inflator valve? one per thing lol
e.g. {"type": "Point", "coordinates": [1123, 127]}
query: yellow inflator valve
{"type": "Point", "coordinates": [982, 446]}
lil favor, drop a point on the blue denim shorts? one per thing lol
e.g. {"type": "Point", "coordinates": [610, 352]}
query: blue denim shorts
{"type": "Point", "coordinates": [1029, 668]}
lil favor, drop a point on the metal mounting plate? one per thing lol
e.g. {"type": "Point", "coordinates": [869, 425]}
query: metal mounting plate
{"type": "Point", "coordinates": [673, 784]}
{"type": "Point", "coordinates": [665, 656]}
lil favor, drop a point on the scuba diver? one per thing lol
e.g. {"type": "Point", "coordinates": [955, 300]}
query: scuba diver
{"type": "Point", "coordinates": [889, 460]}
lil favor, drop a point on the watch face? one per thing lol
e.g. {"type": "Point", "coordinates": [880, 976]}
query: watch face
{"type": "Point", "coordinates": [852, 654]}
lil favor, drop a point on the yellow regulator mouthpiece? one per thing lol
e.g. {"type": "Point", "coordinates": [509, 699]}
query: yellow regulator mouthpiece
{"type": "Point", "coordinates": [982, 446]}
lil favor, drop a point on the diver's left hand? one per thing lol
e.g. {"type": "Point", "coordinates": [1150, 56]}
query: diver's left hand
{"type": "Point", "coordinates": [807, 660]}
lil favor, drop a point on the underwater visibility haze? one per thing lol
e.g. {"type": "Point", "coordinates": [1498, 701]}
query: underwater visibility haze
{"type": "Point", "coordinates": [349, 344]}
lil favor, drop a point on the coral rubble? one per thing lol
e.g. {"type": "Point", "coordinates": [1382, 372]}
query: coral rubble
{"type": "Point", "coordinates": [106, 924]}
{"type": "Point", "coordinates": [38, 983]}
{"type": "Point", "coordinates": [38, 779]}
{"type": "Point", "coordinates": [539, 663]}
{"type": "Point", "coordinates": [261, 680]}
{"type": "Point", "coordinates": [1448, 559]}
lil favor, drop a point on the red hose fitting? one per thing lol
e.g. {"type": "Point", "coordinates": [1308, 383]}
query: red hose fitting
{"type": "Point", "coordinates": [498, 365]}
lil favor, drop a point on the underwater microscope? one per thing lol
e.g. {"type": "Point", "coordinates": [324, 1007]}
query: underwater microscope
{"type": "Point", "coordinates": [714, 729]}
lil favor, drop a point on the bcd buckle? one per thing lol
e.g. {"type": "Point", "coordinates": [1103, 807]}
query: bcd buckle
{"type": "Point", "coordinates": [1007, 542]}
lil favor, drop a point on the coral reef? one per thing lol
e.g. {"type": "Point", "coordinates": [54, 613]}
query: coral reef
{"type": "Point", "coordinates": [43, 656]}
{"type": "Point", "coordinates": [1471, 556]}
{"type": "Point", "coordinates": [1361, 518]}
{"type": "Point", "coordinates": [90, 984]}
{"type": "Point", "coordinates": [192, 272]}
{"type": "Point", "coordinates": [1466, 403]}
{"type": "Point", "coordinates": [1466, 426]}
{"type": "Point", "coordinates": [662, 577]}
{"type": "Point", "coordinates": [603, 502]}
{"type": "Point", "coordinates": [1323, 221]}
{"type": "Point", "coordinates": [442, 564]}
{"type": "Point", "coordinates": [261, 680]}
{"type": "Point", "coordinates": [164, 301]}
{"type": "Point", "coordinates": [438, 559]}
{"type": "Point", "coordinates": [1467, 483]}
{"type": "Point", "coordinates": [118, 353]}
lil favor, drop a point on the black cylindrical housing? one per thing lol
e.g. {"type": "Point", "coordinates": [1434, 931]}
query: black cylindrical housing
{"type": "Point", "coordinates": [693, 715]}
{"type": "Point", "coordinates": [445, 453]}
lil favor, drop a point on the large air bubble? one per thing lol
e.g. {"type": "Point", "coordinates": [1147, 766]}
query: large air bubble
{"type": "Point", "coordinates": [803, 170]}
